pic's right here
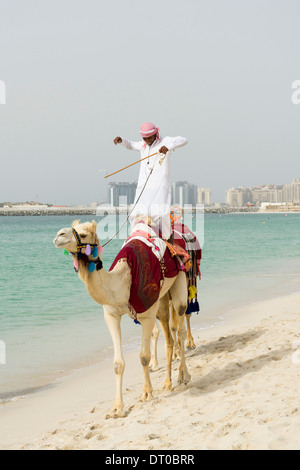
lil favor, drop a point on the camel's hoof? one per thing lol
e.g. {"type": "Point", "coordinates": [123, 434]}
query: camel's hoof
{"type": "Point", "coordinates": [191, 346]}
{"type": "Point", "coordinates": [116, 413]}
{"type": "Point", "coordinates": [167, 385]}
{"type": "Point", "coordinates": [184, 377]}
{"type": "Point", "coordinates": [153, 366]}
{"type": "Point", "coordinates": [147, 396]}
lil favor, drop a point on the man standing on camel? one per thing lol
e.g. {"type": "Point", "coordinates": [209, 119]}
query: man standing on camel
{"type": "Point", "coordinates": [153, 194]}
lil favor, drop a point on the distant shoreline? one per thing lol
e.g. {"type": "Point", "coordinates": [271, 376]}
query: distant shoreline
{"type": "Point", "coordinates": [99, 211]}
{"type": "Point", "coordinates": [106, 211]}
{"type": "Point", "coordinates": [43, 212]}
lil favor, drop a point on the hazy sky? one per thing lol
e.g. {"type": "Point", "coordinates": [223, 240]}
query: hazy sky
{"type": "Point", "coordinates": [79, 73]}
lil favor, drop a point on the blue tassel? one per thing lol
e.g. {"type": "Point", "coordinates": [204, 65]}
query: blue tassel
{"type": "Point", "coordinates": [197, 307]}
{"type": "Point", "coordinates": [194, 307]}
{"type": "Point", "coordinates": [188, 310]}
{"type": "Point", "coordinates": [95, 252]}
{"type": "Point", "coordinates": [136, 321]}
{"type": "Point", "coordinates": [92, 267]}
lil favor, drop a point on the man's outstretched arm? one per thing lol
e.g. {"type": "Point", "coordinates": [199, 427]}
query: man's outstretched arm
{"type": "Point", "coordinates": [128, 144]}
{"type": "Point", "coordinates": [175, 142]}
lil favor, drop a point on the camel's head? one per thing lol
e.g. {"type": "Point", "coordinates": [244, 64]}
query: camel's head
{"type": "Point", "coordinates": [67, 237]}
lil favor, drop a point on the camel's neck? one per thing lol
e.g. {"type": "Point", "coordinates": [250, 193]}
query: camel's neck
{"type": "Point", "coordinates": [107, 288]}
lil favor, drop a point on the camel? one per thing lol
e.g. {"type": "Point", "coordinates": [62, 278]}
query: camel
{"type": "Point", "coordinates": [112, 290]}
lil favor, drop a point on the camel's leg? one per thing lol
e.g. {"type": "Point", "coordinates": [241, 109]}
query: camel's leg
{"type": "Point", "coordinates": [154, 362]}
{"type": "Point", "coordinates": [184, 376]}
{"type": "Point", "coordinates": [114, 325]}
{"type": "Point", "coordinates": [164, 318]}
{"type": "Point", "coordinates": [178, 294]}
{"type": "Point", "coordinates": [174, 328]}
{"type": "Point", "coordinates": [190, 340]}
{"type": "Point", "coordinates": [147, 321]}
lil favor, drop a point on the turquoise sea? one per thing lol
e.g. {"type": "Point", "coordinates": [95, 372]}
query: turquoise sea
{"type": "Point", "coordinates": [50, 325]}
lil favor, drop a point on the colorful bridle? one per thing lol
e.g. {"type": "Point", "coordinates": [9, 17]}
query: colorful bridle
{"type": "Point", "coordinates": [90, 249]}
{"type": "Point", "coordinates": [87, 246]}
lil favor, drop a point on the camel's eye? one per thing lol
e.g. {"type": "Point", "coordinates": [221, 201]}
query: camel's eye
{"type": "Point", "coordinates": [83, 236]}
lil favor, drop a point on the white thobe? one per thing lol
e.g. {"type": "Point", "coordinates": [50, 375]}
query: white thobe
{"type": "Point", "coordinates": [154, 198]}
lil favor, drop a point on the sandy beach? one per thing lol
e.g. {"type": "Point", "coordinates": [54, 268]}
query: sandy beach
{"type": "Point", "coordinates": [243, 395]}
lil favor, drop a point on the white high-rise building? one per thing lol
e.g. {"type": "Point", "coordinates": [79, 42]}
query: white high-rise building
{"type": "Point", "coordinates": [296, 190]}
{"type": "Point", "coordinates": [238, 196]}
{"type": "Point", "coordinates": [204, 196]}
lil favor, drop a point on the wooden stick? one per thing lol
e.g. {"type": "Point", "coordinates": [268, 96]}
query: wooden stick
{"type": "Point", "coordinates": [140, 160]}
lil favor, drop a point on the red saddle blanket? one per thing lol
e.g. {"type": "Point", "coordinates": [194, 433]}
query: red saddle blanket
{"type": "Point", "coordinates": [146, 270]}
{"type": "Point", "coordinates": [146, 274]}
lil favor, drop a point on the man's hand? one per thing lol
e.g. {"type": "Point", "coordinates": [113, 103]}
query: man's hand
{"type": "Point", "coordinates": [117, 140]}
{"type": "Point", "coordinates": [163, 150]}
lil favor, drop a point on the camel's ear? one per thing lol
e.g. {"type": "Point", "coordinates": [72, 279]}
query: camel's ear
{"type": "Point", "coordinates": [76, 222]}
{"type": "Point", "coordinates": [94, 226]}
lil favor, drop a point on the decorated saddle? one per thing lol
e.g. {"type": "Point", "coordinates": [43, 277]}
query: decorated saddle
{"type": "Point", "coordinates": [147, 273]}
{"type": "Point", "coordinates": [152, 259]}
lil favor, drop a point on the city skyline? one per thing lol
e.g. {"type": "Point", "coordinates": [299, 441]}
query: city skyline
{"type": "Point", "coordinates": [184, 192]}
{"type": "Point", "coordinates": [241, 195]}
{"type": "Point", "coordinates": [284, 193]}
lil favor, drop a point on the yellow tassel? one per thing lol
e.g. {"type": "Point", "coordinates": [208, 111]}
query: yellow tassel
{"type": "Point", "coordinates": [188, 265]}
{"type": "Point", "coordinates": [192, 292]}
